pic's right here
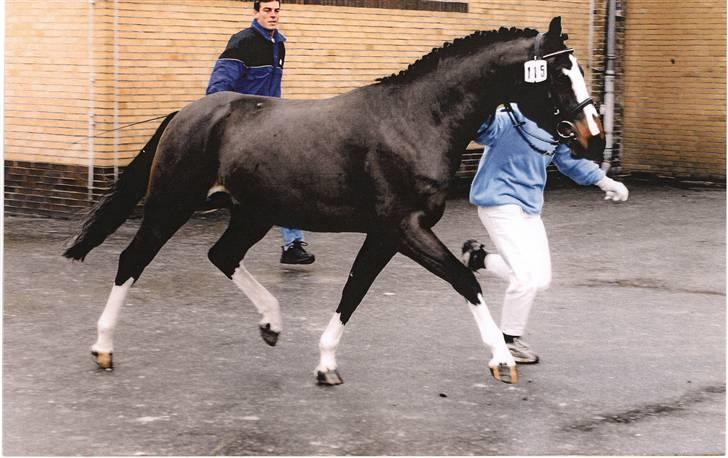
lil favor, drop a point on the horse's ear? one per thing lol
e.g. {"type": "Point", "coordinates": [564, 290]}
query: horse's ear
{"type": "Point", "coordinates": [555, 26]}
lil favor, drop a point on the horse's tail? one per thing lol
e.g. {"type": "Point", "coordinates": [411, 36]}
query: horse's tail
{"type": "Point", "coordinates": [114, 208]}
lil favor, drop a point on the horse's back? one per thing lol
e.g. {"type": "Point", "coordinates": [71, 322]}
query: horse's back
{"type": "Point", "coordinates": [296, 158]}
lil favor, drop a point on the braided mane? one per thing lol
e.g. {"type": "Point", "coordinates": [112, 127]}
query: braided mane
{"type": "Point", "coordinates": [457, 48]}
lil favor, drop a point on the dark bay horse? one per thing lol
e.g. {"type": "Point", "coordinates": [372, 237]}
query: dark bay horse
{"type": "Point", "coordinates": [376, 160]}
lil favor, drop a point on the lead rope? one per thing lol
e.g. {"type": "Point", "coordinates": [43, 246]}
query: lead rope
{"type": "Point", "coordinates": [103, 132]}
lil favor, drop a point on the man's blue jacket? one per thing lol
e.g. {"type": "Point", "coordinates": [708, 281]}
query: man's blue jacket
{"type": "Point", "coordinates": [252, 63]}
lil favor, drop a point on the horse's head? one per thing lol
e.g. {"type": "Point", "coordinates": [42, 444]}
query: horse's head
{"type": "Point", "coordinates": [556, 96]}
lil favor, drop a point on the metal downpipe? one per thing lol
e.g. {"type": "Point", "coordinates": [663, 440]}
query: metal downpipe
{"type": "Point", "coordinates": [609, 76]}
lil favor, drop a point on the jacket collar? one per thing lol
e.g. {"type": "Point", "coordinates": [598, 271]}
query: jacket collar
{"type": "Point", "coordinates": [278, 37]}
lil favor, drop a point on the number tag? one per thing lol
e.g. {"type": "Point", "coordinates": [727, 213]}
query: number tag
{"type": "Point", "coordinates": [534, 71]}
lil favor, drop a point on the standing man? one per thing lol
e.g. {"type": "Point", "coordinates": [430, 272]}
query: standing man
{"type": "Point", "coordinates": [508, 190]}
{"type": "Point", "coordinates": [252, 63]}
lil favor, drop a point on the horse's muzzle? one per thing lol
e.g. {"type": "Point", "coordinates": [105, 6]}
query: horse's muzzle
{"type": "Point", "coordinates": [586, 145]}
{"type": "Point", "coordinates": [594, 150]}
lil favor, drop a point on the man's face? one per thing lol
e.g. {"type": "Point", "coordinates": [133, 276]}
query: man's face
{"type": "Point", "coordinates": [268, 14]}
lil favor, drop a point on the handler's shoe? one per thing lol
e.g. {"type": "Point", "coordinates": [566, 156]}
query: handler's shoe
{"type": "Point", "coordinates": [474, 255]}
{"type": "Point", "coordinates": [522, 352]}
{"type": "Point", "coordinates": [295, 254]}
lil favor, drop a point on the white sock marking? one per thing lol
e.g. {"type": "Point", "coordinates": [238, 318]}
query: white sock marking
{"type": "Point", "coordinates": [266, 304]}
{"type": "Point", "coordinates": [491, 334]}
{"type": "Point", "coordinates": [578, 84]}
{"type": "Point", "coordinates": [328, 343]}
{"type": "Point", "coordinates": [110, 317]}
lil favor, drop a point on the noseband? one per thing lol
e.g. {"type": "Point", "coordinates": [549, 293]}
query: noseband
{"type": "Point", "coordinates": [569, 133]}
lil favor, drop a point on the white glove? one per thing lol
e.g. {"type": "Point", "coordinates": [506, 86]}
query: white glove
{"type": "Point", "coordinates": [615, 190]}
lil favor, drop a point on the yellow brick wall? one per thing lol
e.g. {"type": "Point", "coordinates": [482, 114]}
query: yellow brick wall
{"type": "Point", "coordinates": [166, 49]}
{"type": "Point", "coordinates": [675, 88]}
{"type": "Point", "coordinates": [46, 80]}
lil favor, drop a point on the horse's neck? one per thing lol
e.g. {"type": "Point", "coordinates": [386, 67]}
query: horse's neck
{"type": "Point", "coordinates": [462, 91]}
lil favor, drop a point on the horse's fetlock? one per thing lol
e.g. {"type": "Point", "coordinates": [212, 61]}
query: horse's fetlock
{"type": "Point", "coordinates": [104, 328]}
{"type": "Point", "coordinates": [327, 345]}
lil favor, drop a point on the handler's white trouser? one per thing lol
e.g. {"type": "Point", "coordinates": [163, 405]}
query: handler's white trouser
{"type": "Point", "coordinates": [523, 260]}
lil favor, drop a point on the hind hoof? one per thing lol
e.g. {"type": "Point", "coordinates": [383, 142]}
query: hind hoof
{"type": "Point", "coordinates": [104, 360]}
{"type": "Point", "coordinates": [270, 337]}
{"type": "Point", "coordinates": [504, 373]}
{"type": "Point", "coordinates": [329, 378]}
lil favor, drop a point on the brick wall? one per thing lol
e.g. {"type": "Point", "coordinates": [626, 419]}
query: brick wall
{"type": "Point", "coordinates": [44, 189]}
{"type": "Point", "coordinates": [675, 88]}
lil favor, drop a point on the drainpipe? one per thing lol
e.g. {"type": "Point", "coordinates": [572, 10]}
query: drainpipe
{"type": "Point", "coordinates": [91, 101]}
{"type": "Point", "coordinates": [116, 90]}
{"type": "Point", "coordinates": [609, 76]}
{"type": "Point", "coordinates": [590, 43]}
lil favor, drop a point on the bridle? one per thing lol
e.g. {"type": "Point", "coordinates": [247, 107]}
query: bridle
{"type": "Point", "coordinates": [518, 125]}
{"type": "Point", "coordinates": [566, 130]}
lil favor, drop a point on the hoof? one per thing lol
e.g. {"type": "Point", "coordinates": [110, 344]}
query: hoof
{"type": "Point", "coordinates": [270, 337]}
{"type": "Point", "coordinates": [329, 378]}
{"type": "Point", "coordinates": [504, 373]}
{"type": "Point", "coordinates": [105, 361]}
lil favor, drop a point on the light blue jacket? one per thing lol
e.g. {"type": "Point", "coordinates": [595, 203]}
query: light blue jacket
{"type": "Point", "coordinates": [511, 172]}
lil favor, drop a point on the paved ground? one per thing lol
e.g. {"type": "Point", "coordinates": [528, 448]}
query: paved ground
{"type": "Point", "coordinates": [632, 336]}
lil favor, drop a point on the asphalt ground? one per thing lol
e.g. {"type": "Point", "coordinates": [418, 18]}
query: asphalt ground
{"type": "Point", "coordinates": [632, 336]}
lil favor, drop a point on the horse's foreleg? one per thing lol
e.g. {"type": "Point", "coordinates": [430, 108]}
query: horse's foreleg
{"type": "Point", "coordinates": [423, 246]}
{"type": "Point", "coordinates": [227, 254]}
{"type": "Point", "coordinates": [376, 252]}
{"type": "Point", "coordinates": [158, 225]}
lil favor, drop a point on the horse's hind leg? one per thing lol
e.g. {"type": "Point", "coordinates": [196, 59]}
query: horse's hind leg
{"type": "Point", "coordinates": [227, 254]}
{"type": "Point", "coordinates": [376, 252]}
{"type": "Point", "coordinates": [423, 246]}
{"type": "Point", "coordinates": [158, 225]}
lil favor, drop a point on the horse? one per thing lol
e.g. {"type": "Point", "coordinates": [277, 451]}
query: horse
{"type": "Point", "coordinates": [376, 160]}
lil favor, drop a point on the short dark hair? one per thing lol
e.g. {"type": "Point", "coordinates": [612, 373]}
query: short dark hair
{"type": "Point", "coordinates": [256, 3]}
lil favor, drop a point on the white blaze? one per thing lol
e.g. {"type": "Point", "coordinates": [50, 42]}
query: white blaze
{"type": "Point", "coordinates": [578, 84]}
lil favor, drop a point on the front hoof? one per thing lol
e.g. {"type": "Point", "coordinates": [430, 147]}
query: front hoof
{"type": "Point", "coordinates": [270, 337]}
{"type": "Point", "coordinates": [104, 360]}
{"type": "Point", "coordinates": [505, 373]}
{"type": "Point", "coordinates": [329, 378]}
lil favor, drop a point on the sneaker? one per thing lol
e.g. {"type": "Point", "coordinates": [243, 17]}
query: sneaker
{"type": "Point", "coordinates": [522, 352]}
{"type": "Point", "coordinates": [474, 255]}
{"type": "Point", "coordinates": [295, 254]}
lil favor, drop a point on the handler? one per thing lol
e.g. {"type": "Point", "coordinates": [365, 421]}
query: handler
{"type": "Point", "coordinates": [508, 190]}
{"type": "Point", "coordinates": [252, 63]}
